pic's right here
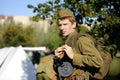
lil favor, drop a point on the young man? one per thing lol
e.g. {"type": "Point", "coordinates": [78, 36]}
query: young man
{"type": "Point", "coordinates": [80, 50]}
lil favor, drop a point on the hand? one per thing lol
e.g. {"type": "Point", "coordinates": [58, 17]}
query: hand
{"type": "Point", "coordinates": [68, 50]}
{"type": "Point", "coordinates": [59, 52]}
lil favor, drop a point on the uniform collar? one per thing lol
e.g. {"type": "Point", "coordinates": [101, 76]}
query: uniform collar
{"type": "Point", "coordinates": [72, 34]}
{"type": "Point", "coordinates": [71, 37]}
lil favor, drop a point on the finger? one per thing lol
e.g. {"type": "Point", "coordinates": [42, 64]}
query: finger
{"type": "Point", "coordinates": [65, 46]}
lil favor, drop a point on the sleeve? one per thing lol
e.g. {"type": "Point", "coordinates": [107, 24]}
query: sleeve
{"type": "Point", "coordinates": [89, 54]}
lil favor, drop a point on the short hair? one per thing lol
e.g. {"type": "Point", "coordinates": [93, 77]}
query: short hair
{"type": "Point", "coordinates": [71, 19]}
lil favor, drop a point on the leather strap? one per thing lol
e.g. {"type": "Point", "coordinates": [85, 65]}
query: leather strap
{"type": "Point", "coordinates": [76, 77]}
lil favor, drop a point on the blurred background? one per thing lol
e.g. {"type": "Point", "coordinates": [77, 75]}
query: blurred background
{"type": "Point", "coordinates": [32, 23]}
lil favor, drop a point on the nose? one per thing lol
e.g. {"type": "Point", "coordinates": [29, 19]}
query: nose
{"type": "Point", "coordinates": [61, 27]}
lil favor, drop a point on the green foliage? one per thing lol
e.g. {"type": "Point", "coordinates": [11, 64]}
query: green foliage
{"type": "Point", "coordinates": [83, 9]}
{"type": "Point", "coordinates": [83, 29]}
{"type": "Point", "coordinates": [45, 10]}
{"type": "Point", "coordinates": [51, 39]}
{"type": "Point", "coordinates": [55, 39]}
{"type": "Point", "coordinates": [108, 32]}
{"type": "Point", "coordinates": [15, 35]}
{"type": "Point", "coordinates": [85, 12]}
{"type": "Point", "coordinates": [1, 31]}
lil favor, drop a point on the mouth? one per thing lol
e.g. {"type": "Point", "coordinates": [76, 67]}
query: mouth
{"type": "Point", "coordinates": [63, 32]}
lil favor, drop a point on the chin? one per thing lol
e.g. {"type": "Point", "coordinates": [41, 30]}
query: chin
{"type": "Point", "coordinates": [65, 35]}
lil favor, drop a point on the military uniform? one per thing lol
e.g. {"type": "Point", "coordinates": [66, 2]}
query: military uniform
{"type": "Point", "coordinates": [85, 54]}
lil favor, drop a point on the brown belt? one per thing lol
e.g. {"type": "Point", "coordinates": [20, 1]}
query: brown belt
{"type": "Point", "coordinates": [76, 77]}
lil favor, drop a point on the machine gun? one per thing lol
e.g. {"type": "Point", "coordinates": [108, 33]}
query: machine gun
{"type": "Point", "coordinates": [63, 65]}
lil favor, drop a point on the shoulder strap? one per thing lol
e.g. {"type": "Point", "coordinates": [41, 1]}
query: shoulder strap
{"type": "Point", "coordinates": [87, 35]}
{"type": "Point", "coordinates": [96, 42]}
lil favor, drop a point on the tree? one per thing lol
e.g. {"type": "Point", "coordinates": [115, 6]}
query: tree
{"type": "Point", "coordinates": [55, 38]}
{"type": "Point", "coordinates": [15, 35]}
{"type": "Point", "coordinates": [46, 10]}
{"type": "Point", "coordinates": [86, 11]}
{"type": "Point", "coordinates": [108, 32]}
{"type": "Point", "coordinates": [83, 9]}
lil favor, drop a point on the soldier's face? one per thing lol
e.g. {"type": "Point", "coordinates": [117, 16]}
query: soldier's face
{"type": "Point", "coordinates": [66, 27]}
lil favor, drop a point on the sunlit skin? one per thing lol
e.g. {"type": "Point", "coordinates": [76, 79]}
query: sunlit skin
{"type": "Point", "coordinates": [66, 28]}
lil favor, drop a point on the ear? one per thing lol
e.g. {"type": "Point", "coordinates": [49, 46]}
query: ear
{"type": "Point", "coordinates": [74, 25]}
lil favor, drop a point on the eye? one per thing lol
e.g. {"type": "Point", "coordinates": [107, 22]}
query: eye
{"type": "Point", "coordinates": [65, 24]}
{"type": "Point", "coordinates": [59, 25]}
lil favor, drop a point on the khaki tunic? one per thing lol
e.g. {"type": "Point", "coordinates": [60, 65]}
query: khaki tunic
{"type": "Point", "coordinates": [85, 54]}
{"type": "Point", "coordinates": [45, 69]}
